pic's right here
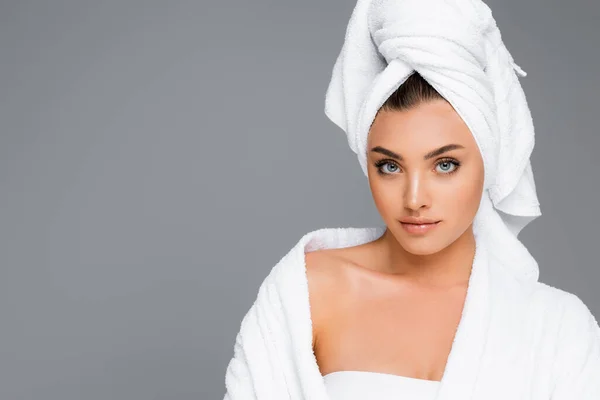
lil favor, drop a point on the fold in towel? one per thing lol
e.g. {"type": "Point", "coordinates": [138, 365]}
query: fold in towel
{"type": "Point", "coordinates": [518, 338]}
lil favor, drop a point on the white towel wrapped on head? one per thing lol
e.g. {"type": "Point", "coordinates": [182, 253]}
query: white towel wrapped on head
{"type": "Point", "coordinates": [456, 46]}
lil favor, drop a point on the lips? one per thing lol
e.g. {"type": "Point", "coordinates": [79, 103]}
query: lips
{"type": "Point", "coordinates": [418, 228]}
{"type": "Point", "coordinates": [417, 221]}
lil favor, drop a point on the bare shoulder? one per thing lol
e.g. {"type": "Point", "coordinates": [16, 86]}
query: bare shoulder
{"type": "Point", "coordinates": [325, 275]}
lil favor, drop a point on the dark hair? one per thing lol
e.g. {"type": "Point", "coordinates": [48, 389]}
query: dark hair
{"type": "Point", "coordinates": [414, 91]}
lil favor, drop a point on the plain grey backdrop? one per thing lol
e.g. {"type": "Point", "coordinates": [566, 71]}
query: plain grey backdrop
{"type": "Point", "coordinates": [158, 158]}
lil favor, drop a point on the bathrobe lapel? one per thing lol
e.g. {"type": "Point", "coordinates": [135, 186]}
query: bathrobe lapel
{"type": "Point", "coordinates": [466, 355]}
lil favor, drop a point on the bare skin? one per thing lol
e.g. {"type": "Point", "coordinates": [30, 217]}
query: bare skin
{"type": "Point", "coordinates": [393, 305]}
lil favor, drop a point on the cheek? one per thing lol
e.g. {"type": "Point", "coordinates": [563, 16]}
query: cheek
{"type": "Point", "coordinates": [466, 196]}
{"type": "Point", "coordinates": [385, 196]}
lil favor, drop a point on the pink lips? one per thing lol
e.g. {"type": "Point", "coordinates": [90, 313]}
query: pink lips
{"type": "Point", "coordinates": [418, 228]}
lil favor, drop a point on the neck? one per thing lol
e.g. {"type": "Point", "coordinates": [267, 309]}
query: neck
{"type": "Point", "coordinates": [448, 267]}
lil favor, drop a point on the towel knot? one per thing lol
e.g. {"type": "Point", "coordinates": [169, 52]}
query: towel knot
{"type": "Point", "coordinates": [453, 37]}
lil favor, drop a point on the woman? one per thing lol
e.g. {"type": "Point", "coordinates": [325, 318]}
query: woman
{"type": "Point", "coordinates": [444, 301]}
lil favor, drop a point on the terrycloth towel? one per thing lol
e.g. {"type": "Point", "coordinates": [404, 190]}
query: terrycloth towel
{"type": "Point", "coordinates": [518, 338]}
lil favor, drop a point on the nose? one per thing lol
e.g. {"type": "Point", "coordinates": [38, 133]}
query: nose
{"type": "Point", "coordinates": [416, 195]}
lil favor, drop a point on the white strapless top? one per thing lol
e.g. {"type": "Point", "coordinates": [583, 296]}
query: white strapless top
{"type": "Point", "coordinates": [360, 385]}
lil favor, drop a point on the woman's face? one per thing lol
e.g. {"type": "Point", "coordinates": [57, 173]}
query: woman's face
{"type": "Point", "coordinates": [407, 181]}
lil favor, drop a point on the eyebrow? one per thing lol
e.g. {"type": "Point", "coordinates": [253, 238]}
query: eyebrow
{"type": "Point", "coordinates": [431, 154]}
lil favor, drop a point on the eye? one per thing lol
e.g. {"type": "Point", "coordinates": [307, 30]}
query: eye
{"type": "Point", "coordinates": [448, 165]}
{"type": "Point", "coordinates": [381, 164]}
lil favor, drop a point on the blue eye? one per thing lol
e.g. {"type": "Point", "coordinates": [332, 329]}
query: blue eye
{"type": "Point", "coordinates": [448, 164]}
{"type": "Point", "coordinates": [394, 167]}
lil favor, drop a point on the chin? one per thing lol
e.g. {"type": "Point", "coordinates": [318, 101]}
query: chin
{"type": "Point", "coordinates": [423, 248]}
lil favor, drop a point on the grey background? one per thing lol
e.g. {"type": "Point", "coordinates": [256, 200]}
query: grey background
{"type": "Point", "coordinates": [158, 158]}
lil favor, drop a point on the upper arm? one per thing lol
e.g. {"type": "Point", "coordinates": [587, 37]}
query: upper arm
{"type": "Point", "coordinates": [577, 363]}
{"type": "Point", "coordinates": [238, 381]}
{"type": "Point", "coordinates": [320, 274]}
{"type": "Point", "coordinates": [315, 277]}
{"type": "Point", "coordinates": [255, 370]}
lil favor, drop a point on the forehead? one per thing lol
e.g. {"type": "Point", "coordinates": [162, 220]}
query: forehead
{"type": "Point", "coordinates": [425, 126]}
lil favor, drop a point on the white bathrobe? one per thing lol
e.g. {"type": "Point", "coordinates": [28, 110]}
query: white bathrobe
{"type": "Point", "coordinates": [517, 339]}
